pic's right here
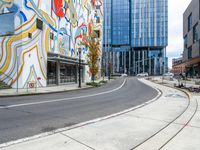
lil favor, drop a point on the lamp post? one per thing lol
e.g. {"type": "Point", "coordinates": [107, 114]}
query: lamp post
{"type": "Point", "coordinates": [109, 67]}
{"type": "Point", "coordinates": [17, 59]}
{"type": "Point", "coordinates": [79, 67]}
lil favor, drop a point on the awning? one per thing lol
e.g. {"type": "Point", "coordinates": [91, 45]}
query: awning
{"type": "Point", "coordinates": [192, 61]}
{"type": "Point", "coordinates": [61, 58]}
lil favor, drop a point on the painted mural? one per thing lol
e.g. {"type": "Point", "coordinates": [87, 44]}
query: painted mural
{"type": "Point", "coordinates": [65, 22]}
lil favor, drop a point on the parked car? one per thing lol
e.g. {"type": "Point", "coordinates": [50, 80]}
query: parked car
{"type": "Point", "coordinates": [124, 75]}
{"type": "Point", "coordinates": [145, 74]}
{"type": "Point", "coordinates": [168, 74]}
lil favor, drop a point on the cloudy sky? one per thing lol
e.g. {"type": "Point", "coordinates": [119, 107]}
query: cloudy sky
{"type": "Point", "coordinates": [176, 10]}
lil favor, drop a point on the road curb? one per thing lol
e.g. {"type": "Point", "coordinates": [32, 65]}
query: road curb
{"type": "Point", "coordinates": [41, 93]}
{"type": "Point", "coordinates": [51, 92]}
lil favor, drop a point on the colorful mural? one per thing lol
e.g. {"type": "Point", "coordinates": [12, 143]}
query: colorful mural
{"type": "Point", "coordinates": [23, 56]}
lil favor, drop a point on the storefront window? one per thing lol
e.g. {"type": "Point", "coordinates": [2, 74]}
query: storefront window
{"type": "Point", "coordinates": [67, 73]}
{"type": "Point", "coordinates": [51, 73]}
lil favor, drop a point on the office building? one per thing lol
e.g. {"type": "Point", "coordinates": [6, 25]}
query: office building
{"type": "Point", "coordinates": [135, 36]}
{"type": "Point", "coordinates": [191, 35]}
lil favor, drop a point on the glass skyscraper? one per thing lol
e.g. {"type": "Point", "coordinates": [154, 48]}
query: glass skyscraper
{"type": "Point", "coordinates": [136, 36]}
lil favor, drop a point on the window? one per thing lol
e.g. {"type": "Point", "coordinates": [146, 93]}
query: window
{"type": "Point", "coordinates": [39, 24]}
{"type": "Point", "coordinates": [98, 20]}
{"type": "Point", "coordinates": [52, 36]}
{"type": "Point", "coordinates": [98, 7]}
{"type": "Point", "coordinates": [190, 52]}
{"type": "Point", "coordinates": [195, 34]}
{"type": "Point", "coordinates": [7, 24]}
{"type": "Point", "coordinates": [185, 41]}
{"type": "Point", "coordinates": [199, 47]}
{"type": "Point", "coordinates": [97, 33]}
{"type": "Point", "coordinates": [190, 22]}
{"type": "Point", "coordinates": [30, 35]}
{"type": "Point", "coordinates": [66, 42]}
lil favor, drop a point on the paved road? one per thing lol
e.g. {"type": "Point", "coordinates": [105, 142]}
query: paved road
{"type": "Point", "coordinates": [30, 115]}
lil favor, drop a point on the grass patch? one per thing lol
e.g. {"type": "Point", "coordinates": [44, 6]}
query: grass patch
{"type": "Point", "coordinates": [103, 82]}
{"type": "Point", "coordinates": [94, 84]}
{"type": "Point", "coordinates": [97, 84]}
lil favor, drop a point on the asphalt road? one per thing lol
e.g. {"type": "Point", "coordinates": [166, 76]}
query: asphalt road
{"type": "Point", "coordinates": [30, 115]}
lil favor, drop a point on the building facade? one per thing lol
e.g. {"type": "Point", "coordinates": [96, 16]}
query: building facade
{"type": "Point", "coordinates": [135, 36]}
{"type": "Point", "coordinates": [40, 40]}
{"type": "Point", "coordinates": [178, 66]}
{"type": "Point", "coordinates": [191, 35]}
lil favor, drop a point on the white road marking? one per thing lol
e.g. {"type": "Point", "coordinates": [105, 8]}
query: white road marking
{"type": "Point", "coordinates": [64, 99]}
{"type": "Point", "coordinates": [83, 123]}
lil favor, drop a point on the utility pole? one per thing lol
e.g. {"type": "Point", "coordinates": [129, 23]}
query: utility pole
{"type": "Point", "coordinates": [79, 67]}
{"type": "Point", "coordinates": [17, 73]}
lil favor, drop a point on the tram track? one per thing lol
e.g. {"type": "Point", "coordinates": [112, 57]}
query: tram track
{"type": "Point", "coordinates": [181, 128]}
{"type": "Point", "coordinates": [190, 100]}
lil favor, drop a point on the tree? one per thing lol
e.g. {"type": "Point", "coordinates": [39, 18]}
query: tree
{"type": "Point", "coordinates": [94, 52]}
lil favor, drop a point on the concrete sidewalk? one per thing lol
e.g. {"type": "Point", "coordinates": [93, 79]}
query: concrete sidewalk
{"type": "Point", "coordinates": [146, 127]}
{"type": "Point", "coordinates": [170, 82]}
{"type": "Point", "coordinates": [45, 90]}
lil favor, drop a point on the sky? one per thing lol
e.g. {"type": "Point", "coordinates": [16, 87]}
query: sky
{"type": "Point", "coordinates": [175, 45]}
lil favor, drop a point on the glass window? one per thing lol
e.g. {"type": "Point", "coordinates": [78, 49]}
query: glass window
{"type": "Point", "coordinates": [195, 34]}
{"type": "Point", "coordinates": [190, 52]}
{"type": "Point", "coordinates": [190, 22]}
{"type": "Point", "coordinates": [185, 41]}
{"type": "Point", "coordinates": [7, 24]}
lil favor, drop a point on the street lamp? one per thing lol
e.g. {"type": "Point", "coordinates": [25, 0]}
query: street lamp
{"type": "Point", "coordinates": [17, 58]}
{"type": "Point", "coordinates": [109, 67]}
{"type": "Point", "coordinates": [79, 67]}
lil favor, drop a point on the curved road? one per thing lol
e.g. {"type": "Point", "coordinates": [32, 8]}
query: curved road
{"type": "Point", "coordinates": [30, 115]}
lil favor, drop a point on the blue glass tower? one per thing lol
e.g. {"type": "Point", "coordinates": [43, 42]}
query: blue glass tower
{"type": "Point", "coordinates": [136, 35]}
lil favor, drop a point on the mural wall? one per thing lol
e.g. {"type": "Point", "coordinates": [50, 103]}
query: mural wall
{"type": "Point", "coordinates": [23, 55]}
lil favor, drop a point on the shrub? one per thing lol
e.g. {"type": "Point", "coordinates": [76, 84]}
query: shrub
{"type": "Point", "coordinates": [94, 84]}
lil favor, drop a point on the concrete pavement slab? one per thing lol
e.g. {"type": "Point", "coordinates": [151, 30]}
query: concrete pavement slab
{"type": "Point", "coordinates": [161, 138]}
{"type": "Point", "coordinates": [198, 100]}
{"type": "Point", "coordinates": [188, 139]}
{"type": "Point", "coordinates": [188, 113]}
{"type": "Point", "coordinates": [170, 105]}
{"type": "Point", "coordinates": [120, 133]}
{"type": "Point", "coordinates": [195, 122]}
{"type": "Point", "coordinates": [163, 110]}
{"type": "Point", "coordinates": [53, 142]}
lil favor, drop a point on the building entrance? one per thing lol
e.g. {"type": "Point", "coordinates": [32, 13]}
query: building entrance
{"type": "Point", "coordinates": [51, 73]}
{"type": "Point", "coordinates": [68, 73]}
